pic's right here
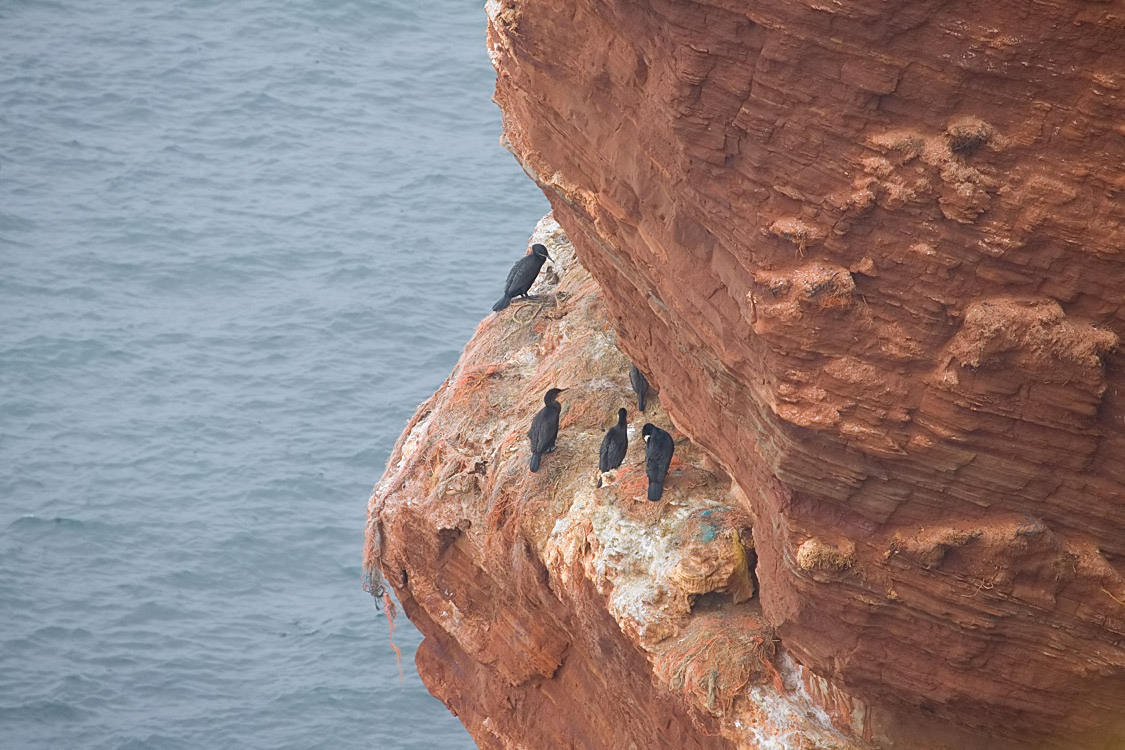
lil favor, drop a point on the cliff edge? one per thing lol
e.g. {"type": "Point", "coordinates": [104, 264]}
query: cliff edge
{"type": "Point", "coordinates": [558, 613]}
{"type": "Point", "coordinates": [870, 252]}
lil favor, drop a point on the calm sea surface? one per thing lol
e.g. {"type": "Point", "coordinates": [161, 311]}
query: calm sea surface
{"type": "Point", "coordinates": [240, 240]}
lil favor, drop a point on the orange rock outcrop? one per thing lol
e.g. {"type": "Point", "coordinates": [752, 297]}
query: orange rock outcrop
{"type": "Point", "coordinates": [558, 613]}
{"type": "Point", "coordinates": [871, 255]}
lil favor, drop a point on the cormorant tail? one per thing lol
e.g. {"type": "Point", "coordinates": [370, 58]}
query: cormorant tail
{"type": "Point", "coordinates": [641, 401]}
{"type": "Point", "coordinates": [500, 305]}
{"type": "Point", "coordinates": [535, 461]}
{"type": "Point", "coordinates": [655, 490]}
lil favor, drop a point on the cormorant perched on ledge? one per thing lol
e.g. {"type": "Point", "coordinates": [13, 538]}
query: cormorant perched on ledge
{"type": "Point", "coordinates": [640, 385]}
{"type": "Point", "coordinates": [522, 276]}
{"type": "Point", "coordinates": [659, 448]}
{"type": "Point", "coordinates": [614, 445]}
{"type": "Point", "coordinates": [545, 427]}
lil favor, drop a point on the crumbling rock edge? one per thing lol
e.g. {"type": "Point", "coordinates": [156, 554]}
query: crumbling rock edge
{"type": "Point", "coordinates": [545, 585]}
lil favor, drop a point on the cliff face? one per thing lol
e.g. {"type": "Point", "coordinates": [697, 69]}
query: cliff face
{"type": "Point", "coordinates": [871, 254]}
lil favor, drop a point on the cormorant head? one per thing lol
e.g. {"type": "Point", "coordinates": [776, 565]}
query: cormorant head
{"type": "Point", "coordinates": [552, 395]}
{"type": "Point", "coordinates": [541, 251]}
{"type": "Point", "coordinates": [647, 430]}
{"type": "Point", "coordinates": [621, 415]}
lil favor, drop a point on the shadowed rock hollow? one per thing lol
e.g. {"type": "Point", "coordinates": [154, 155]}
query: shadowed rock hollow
{"type": "Point", "coordinates": [870, 254]}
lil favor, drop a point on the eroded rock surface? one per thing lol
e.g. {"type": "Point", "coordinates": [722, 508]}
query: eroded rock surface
{"type": "Point", "coordinates": [556, 613]}
{"type": "Point", "coordinates": [871, 254]}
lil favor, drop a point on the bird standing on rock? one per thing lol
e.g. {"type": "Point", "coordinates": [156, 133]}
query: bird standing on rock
{"type": "Point", "coordinates": [545, 427]}
{"type": "Point", "coordinates": [614, 445]}
{"type": "Point", "coordinates": [659, 448]}
{"type": "Point", "coordinates": [522, 276]}
{"type": "Point", "coordinates": [640, 385]}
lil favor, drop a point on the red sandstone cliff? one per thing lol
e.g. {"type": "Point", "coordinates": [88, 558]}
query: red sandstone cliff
{"type": "Point", "coordinates": [870, 252]}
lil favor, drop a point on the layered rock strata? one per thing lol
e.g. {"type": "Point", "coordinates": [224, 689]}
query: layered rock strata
{"type": "Point", "coordinates": [871, 253]}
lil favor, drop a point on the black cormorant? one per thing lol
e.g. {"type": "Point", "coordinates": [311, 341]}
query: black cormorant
{"type": "Point", "coordinates": [659, 448]}
{"type": "Point", "coordinates": [545, 427]}
{"type": "Point", "coordinates": [522, 276]}
{"type": "Point", "coordinates": [640, 385]}
{"type": "Point", "coordinates": [614, 445]}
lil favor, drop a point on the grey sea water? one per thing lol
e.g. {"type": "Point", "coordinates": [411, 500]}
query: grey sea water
{"type": "Point", "coordinates": [239, 242]}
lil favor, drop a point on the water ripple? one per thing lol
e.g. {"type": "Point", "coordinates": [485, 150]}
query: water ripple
{"type": "Point", "coordinates": [239, 241]}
